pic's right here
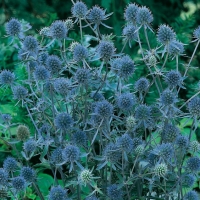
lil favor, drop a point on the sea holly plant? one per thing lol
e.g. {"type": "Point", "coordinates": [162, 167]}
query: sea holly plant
{"type": "Point", "coordinates": [93, 135]}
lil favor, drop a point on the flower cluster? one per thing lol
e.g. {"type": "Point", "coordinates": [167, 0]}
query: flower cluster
{"type": "Point", "coordinates": [93, 125]}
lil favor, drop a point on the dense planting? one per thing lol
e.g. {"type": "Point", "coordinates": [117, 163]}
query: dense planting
{"type": "Point", "coordinates": [93, 133]}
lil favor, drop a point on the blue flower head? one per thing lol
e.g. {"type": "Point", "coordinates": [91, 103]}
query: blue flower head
{"type": "Point", "coordinates": [18, 183]}
{"type": "Point", "coordinates": [165, 34]}
{"type": "Point", "coordinates": [80, 53]}
{"type": "Point", "coordinates": [30, 44]}
{"type": "Point", "coordinates": [7, 77]}
{"type": "Point", "coordinates": [28, 174]}
{"type": "Point", "coordinates": [71, 153]}
{"type": "Point", "coordinates": [57, 193]}
{"type": "Point", "coordinates": [79, 10]}
{"type": "Point", "coordinates": [63, 121]}
{"type": "Point", "coordinates": [10, 164]}
{"type": "Point", "coordinates": [53, 64]}
{"type": "Point", "coordinates": [125, 67]}
{"type": "Point", "coordinates": [131, 12]}
{"type": "Point", "coordinates": [144, 16]}
{"type": "Point", "coordinates": [126, 101]}
{"type": "Point", "coordinates": [41, 73]}
{"type": "Point", "coordinates": [13, 27]}
{"type": "Point", "coordinates": [58, 30]}
{"type": "Point", "coordinates": [104, 109]}
{"type": "Point", "coordinates": [142, 85]}
{"type": "Point", "coordinates": [106, 50]}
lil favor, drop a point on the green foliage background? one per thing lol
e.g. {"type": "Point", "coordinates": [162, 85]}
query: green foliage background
{"type": "Point", "coordinates": [182, 15]}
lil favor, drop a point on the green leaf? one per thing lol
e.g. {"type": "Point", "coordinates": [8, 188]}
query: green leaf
{"type": "Point", "coordinates": [44, 182]}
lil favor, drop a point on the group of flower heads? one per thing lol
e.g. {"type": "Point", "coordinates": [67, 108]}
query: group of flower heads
{"type": "Point", "coordinates": [92, 127]}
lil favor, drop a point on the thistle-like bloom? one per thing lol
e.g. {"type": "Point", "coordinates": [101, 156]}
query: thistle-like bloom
{"type": "Point", "coordinates": [106, 50]}
{"type": "Point", "coordinates": [62, 86]}
{"type": "Point", "coordinates": [193, 164]}
{"type": "Point", "coordinates": [10, 164]}
{"type": "Point", "coordinates": [112, 153]}
{"type": "Point", "coordinates": [28, 174]}
{"type": "Point", "coordinates": [63, 121]}
{"type": "Point", "coordinates": [191, 195]}
{"type": "Point", "coordinates": [80, 53]}
{"type": "Point", "coordinates": [124, 66]}
{"type": "Point", "coordinates": [30, 147]}
{"type": "Point", "coordinates": [79, 10]}
{"type": "Point", "coordinates": [130, 122]}
{"type": "Point", "coordinates": [176, 48]}
{"type": "Point", "coordinates": [197, 33]}
{"type": "Point", "coordinates": [170, 132]}
{"type": "Point", "coordinates": [18, 183]}
{"type": "Point", "coordinates": [54, 64]}
{"type": "Point", "coordinates": [6, 117]}
{"type": "Point", "coordinates": [41, 73]}
{"type": "Point", "coordinates": [57, 156]}
{"type": "Point", "coordinates": [69, 23]}
{"type": "Point", "coordinates": [23, 133]}
{"type": "Point", "coordinates": [168, 97]}
{"type": "Point", "coordinates": [130, 32]}
{"type": "Point", "coordinates": [131, 12]}
{"type": "Point", "coordinates": [144, 16]}
{"type": "Point", "coordinates": [194, 146]}
{"type": "Point", "coordinates": [165, 151]}
{"type": "Point", "coordinates": [7, 77]}
{"type": "Point", "coordinates": [20, 92]}
{"type": "Point", "coordinates": [142, 113]}
{"type": "Point", "coordinates": [57, 193]}
{"type": "Point", "coordinates": [125, 143]}
{"type": "Point", "coordinates": [142, 85]}
{"type": "Point", "coordinates": [188, 180]}
{"type": "Point", "coordinates": [82, 76]}
{"type": "Point", "coordinates": [13, 27]}
{"type": "Point", "coordinates": [58, 30]}
{"type": "Point", "coordinates": [152, 60]}
{"type": "Point", "coordinates": [30, 44]}
{"type": "Point", "coordinates": [79, 138]}
{"type": "Point", "coordinates": [3, 177]}
{"type": "Point", "coordinates": [85, 176]}
{"type": "Point", "coordinates": [96, 15]}
{"type": "Point", "coordinates": [42, 58]}
{"type": "Point", "coordinates": [139, 150]}
{"type": "Point", "coordinates": [104, 109]}
{"type": "Point", "coordinates": [160, 170]}
{"type": "Point", "coordinates": [173, 78]}
{"type": "Point", "coordinates": [182, 142]}
{"type": "Point", "coordinates": [165, 34]}
{"type": "Point", "coordinates": [126, 101]}
{"type": "Point", "coordinates": [71, 153]}
{"type": "Point", "coordinates": [194, 107]}
{"type": "Point", "coordinates": [45, 31]}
